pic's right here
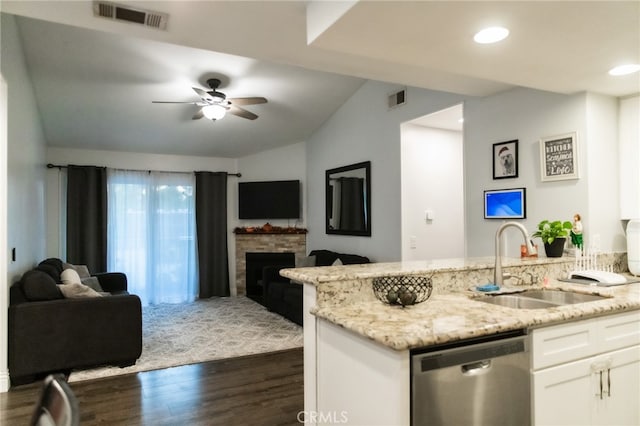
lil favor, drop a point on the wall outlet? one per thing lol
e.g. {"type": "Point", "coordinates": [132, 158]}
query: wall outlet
{"type": "Point", "coordinates": [413, 242]}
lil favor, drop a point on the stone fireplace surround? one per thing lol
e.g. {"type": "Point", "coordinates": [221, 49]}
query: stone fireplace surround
{"type": "Point", "coordinates": [265, 243]}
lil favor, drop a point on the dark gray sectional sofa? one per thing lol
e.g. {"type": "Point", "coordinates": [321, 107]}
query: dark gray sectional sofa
{"type": "Point", "coordinates": [49, 333]}
{"type": "Point", "coordinates": [283, 296]}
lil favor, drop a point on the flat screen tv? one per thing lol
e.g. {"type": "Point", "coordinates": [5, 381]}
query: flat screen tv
{"type": "Point", "coordinates": [269, 200]}
{"type": "Point", "coordinates": [505, 204]}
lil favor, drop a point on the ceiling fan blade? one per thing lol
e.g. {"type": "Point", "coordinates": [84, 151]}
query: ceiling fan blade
{"type": "Point", "coordinates": [240, 112]}
{"type": "Point", "coordinates": [171, 102]}
{"type": "Point", "coordinates": [198, 115]}
{"type": "Point", "coordinates": [204, 95]}
{"type": "Point", "coordinates": [248, 101]}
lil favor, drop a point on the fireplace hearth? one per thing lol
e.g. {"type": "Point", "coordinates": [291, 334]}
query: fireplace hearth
{"type": "Point", "coordinates": [264, 243]}
{"type": "Point", "coordinates": [255, 262]}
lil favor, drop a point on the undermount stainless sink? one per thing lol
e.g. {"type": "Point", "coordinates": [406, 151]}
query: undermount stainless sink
{"type": "Point", "coordinates": [539, 299]}
{"type": "Point", "coordinates": [561, 297]}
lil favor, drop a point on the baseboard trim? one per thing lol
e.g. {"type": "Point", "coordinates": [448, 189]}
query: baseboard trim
{"type": "Point", "coordinates": [5, 382]}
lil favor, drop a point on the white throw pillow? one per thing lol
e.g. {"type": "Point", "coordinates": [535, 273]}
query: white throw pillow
{"type": "Point", "coordinates": [337, 262]}
{"type": "Point", "coordinates": [82, 270]}
{"type": "Point", "coordinates": [74, 290]}
{"type": "Point", "coordinates": [70, 276]}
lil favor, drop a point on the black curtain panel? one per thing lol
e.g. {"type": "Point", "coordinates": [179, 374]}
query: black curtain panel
{"type": "Point", "coordinates": [87, 217]}
{"type": "Point", "coordinates": [352, 217]}
{"type": "Point", "coordinates": [211, 228]}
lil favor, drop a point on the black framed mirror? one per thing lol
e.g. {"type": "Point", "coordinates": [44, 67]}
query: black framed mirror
{"type": "Point", "coordinates": [348, 200]}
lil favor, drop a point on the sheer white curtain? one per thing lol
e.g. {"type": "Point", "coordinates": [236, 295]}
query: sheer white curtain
{"type": "Point", "coordinates": [151, 234]}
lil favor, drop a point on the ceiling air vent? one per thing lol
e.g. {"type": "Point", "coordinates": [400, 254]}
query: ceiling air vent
{"type": "Point", "coordinates": [120, 12]}
{"type": "Point", "coordinates": [398, 98]}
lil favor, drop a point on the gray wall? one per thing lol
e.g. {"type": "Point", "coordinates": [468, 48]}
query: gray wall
{"type": "Point", "coordinates": [26, 158]}
{"type": "Point", "coordinates": [25, 202]}
{"type": "Point", "coordinates": [365, 129]}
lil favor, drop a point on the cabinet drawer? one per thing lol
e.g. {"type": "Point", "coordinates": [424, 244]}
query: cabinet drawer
{"type": "Point", "coordinates": [563, 343]}
{"type": "Point", "coordinates": [619, 331]}
{"type": "Point", "coordinates": [568, 342]}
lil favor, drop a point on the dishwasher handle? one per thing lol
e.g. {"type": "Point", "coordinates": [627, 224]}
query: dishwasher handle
{"type": "Point", "coordinates": [470, 356]}
{"type": "Point", "coordinates": [476, 368]}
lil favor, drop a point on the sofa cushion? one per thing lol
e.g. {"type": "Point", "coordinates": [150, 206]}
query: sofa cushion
{"type": "Point", "coordinates": [50, 270]}
{"type": "Point", "coordinates": [305, 261]}
{"type": "Point", "coordinates": [38, 286]}
{"type": "Point", "coordinates": [71, 276]}
{"type": "Point", "coordinates": [324, 257]}
{"type": "Point", "coordinates": [327, 257]}
{"type": "Point", "coordinates": [352, 259]}
{"type": "Point", "coordinates": [92, 282]}
{"type": "Point", "coordinates": [52, 266]}
{"type": "Point", "coordinates": [75, 290]}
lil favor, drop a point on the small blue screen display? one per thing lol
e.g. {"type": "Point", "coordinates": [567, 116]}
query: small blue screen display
{"type": "Point", "coordinates": [504, 204]}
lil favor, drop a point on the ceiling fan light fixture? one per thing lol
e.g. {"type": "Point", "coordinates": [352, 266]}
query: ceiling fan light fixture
{"type": "Point", "coordinates": [214, 112]}
{"type": "Point", "coordinates": [625, 69]}
{"type": "Point", "coordinates": [491, 35]}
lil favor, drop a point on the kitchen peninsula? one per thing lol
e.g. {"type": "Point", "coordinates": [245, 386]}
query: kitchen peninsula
{"type": "Point", "coordinates": [358, 350]}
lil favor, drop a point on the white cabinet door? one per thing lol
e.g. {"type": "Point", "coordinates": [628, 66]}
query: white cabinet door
{"type": "Point", "coordinates": [563, 395]}
{"type": "Point", "coordinates": [620, 404]}
{"type": "Point", "coordinates": [601, 390]}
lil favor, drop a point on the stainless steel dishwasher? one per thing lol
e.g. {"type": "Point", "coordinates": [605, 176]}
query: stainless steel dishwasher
{"type": "Point", "coordinates": [482, 381]}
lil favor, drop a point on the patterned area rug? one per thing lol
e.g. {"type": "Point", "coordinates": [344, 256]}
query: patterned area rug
{"type": "Point", "coordinates": [204, 330]}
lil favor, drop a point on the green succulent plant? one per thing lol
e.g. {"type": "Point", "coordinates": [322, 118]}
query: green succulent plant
{"type": "Point", "coordinates": [549, 231]}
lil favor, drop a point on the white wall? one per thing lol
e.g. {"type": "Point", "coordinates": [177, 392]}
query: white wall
{"type": "Point", "coordinates": [603, 227]}
{"type": "Point", "coordinates": [365, 129]}
{"type": "Point", "coordinates": [25, 172]}
{"type": "Point", "coordinates": [526, 115]}
{"type": "Point", "coordinates": [26, 153]}
{"type": "Point", "coordinates": [629, 157]}
{"type": "Point", "coordinates": [284, 163]}
{"type": "Point", "coordinates": [432, 179]}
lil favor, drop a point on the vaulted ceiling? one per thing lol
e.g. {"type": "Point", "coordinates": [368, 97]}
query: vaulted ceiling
{"type": "Point", "coordinates": [95, 78]}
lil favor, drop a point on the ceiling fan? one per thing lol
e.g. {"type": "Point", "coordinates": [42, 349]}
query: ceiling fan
{"type": "Point", "coordinates": [214, 104]}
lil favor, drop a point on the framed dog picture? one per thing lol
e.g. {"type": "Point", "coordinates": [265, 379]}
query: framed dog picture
{"type": "Point", "coordinates": [505, 160]}
{"type": "Point", "coordinates": [559, 157]}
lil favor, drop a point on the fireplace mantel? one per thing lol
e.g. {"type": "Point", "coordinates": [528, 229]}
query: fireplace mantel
{"type": "Point", "coordinates": [251, 230]}
{"type": "Point", "coordinates": [264, 242]}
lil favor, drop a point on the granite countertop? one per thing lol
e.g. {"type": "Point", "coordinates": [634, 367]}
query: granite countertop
{"type": "Point", "coordinates": [317, 275]}
{"type": "Point", "coordinates": [456, 315]}
{"type": "Point", "coordinates": [450, 314]}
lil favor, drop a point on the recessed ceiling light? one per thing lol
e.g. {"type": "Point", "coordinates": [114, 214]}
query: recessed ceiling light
{"type": "Point", "coordinates": [624, 69]}
{"type": "Point", "coordinates": [491, 35]}
{"type": "Point", "coordinates": [460, 120]}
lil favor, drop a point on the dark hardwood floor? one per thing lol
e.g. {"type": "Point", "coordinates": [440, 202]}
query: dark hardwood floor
{"type": "Point", "coordinates": [265, 389]}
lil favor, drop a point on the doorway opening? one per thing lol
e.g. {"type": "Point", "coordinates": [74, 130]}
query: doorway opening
{"type": "Point", "coordinates": [433, 219]}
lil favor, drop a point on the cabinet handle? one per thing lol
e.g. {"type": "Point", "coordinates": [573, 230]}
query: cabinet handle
{"type": "Point", "coordinates": [600, 395]}
{"type": "Point", "coordinates": [608, 382]}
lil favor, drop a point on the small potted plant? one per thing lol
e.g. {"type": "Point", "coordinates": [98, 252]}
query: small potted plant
{"type": "Point", "coordinates": [554, 235]}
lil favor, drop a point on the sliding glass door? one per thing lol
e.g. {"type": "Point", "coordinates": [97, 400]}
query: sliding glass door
{"type": "Point", "coordinates": [151, 234]}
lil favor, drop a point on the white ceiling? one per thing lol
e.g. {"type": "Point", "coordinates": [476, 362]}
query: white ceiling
{"type": "Point", "coordinates": [94, 88]}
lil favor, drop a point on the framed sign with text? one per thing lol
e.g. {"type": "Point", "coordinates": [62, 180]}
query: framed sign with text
{"type": "Point", "coordinates": [559, 157]}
